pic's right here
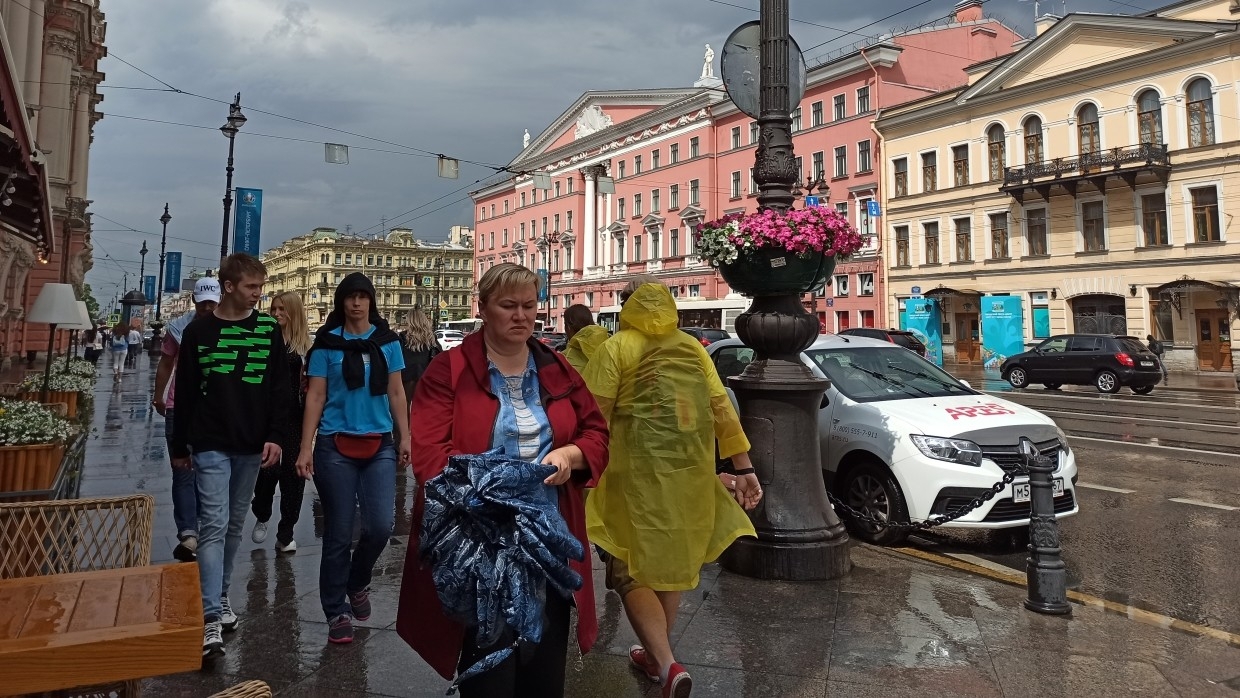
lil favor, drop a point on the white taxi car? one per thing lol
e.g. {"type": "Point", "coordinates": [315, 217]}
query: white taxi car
{"type": "Point", "coordinates": [903, 440]}
{"type": "Point", "coordinates": [449, 338]}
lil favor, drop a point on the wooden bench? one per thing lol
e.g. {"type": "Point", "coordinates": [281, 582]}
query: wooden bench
{"type": "Point", "coordinates": [66, 630]}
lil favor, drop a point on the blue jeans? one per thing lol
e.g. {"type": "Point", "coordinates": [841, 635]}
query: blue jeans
{"type": "Point", "coordinates": [225, 483]}
{"type": "Point", "coordinates": [184, 492]}
{"type": "Point", "coordinates": [344, 485]}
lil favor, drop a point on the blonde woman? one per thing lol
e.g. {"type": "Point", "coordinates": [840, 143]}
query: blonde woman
{"type": "Point", "coordinates": [419, 346]}
{"type": "Point", "coordinates": [287, 309]}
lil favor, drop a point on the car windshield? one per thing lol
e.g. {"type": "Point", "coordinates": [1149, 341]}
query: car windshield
{"type": "Point", "coordinates": [1132, 345]}
{"type": "Point", "coordinates": [874, 374]}
{"type": "Point", "coordinates": [714, 335]}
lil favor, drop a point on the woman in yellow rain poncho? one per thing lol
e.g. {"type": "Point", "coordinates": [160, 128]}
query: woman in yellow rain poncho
{"type": "Point", "coordinates": [659, 510]}
{"type": "Point", "coordinates": [584, 337]}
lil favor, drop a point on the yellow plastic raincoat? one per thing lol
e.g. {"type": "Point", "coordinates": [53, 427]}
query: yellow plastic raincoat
{"type": "Point", "coordinates": [584, 344]}
{"type": "Point", "coordinates": [660, 506]}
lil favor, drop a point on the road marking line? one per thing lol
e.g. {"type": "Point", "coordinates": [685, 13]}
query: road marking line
{"type": "Point", "coordinates": [1104, 488]}
{"type": "Point", "coordinates": [1011, 576]}
{"type": "Point", "coordinates": [1197, 502]}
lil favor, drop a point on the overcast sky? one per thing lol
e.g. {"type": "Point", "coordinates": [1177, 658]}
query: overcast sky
{"type": "Point", "coordinates": [459, 77]}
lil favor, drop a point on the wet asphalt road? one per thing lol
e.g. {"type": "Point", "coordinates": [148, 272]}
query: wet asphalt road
{"type": "Point", "coordinates": [1131, 543]}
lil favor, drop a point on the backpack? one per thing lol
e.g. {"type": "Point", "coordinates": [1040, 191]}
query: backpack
{"type": "Point", "coordinates": [1156, 347]}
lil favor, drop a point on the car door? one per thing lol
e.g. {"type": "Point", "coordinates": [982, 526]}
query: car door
{"type": "Point", "coordinates": [1083, 359]}
{"type": "Point", "coordinates": [1045, 363]}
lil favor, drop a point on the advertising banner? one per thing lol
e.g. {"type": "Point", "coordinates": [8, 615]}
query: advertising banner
{"type": "Point", "coordinates": [544, 290]}
{"type": "Point", "coordinates": [148, 288]}
{"type": "Point", "coordinates": [248, 221]}
{"type": "Point", "coordinates": [923, 318]}
{"type": "Point", "coordinates": [172, 272]}
{"type": "Point", "coordinates": [1003, 329]}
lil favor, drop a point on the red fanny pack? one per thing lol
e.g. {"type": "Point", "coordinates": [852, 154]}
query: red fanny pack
{"type": "Point", "coordinates": [358, 446]}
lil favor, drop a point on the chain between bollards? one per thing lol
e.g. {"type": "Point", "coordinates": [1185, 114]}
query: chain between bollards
{"type": "Point", "coordinates": [1044, 568]}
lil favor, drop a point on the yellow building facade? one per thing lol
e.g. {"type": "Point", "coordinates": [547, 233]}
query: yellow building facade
{"type": "Point", "coordinates": [1092, 173]}
{"type": "Point", "coordinates": [435, 277]}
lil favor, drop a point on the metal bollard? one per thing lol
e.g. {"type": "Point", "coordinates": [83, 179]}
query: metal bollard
{"type": "Point", "coordinates": [1044, 569]}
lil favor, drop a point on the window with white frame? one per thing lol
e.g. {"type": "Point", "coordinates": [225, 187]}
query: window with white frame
{"type": "Point", "coordinates": [1037, 231]}
{"type": "Point", "coordinates": [753, 183]}
{"type": "Point", "coordinates": [736, 137]}
{"type": "Point", "coordinates": [960, 164]}
{"type": "Point", "coordinates": [1200, 96]}
{"type": "Point", "coordinates": [899, 173]}
{"type": "Point", "coordinates": [1204, 201]}
{"type": "Point", "coordinates": [863, 100]}
{"type": "Point", "coordinates": [816, 113]}
{"type": "Point", "coordinates": [1154, 231]}
{"type": "Point", "coordinates": [929, 171]}
{"type": "Point", "coordinates": [864, 163]}
{"type": "Point", "coordinates": [841, 161]}
{"type": "Point", "coordinates": [903, 256]}
{"type": "Point", "coordinates": [863, 217]}
{"type": "Point", "coordinates": [796, 120]}
{"type": "Point", "coordinates": [736, 185]}
{"type": "Point", "coordinates": [754, 132]}
{"type": "Point", "coordinates": [964, 239]}
{"type": "Point", "coordinates": [930, 235]}
{"type": "Point", "coordinates": [1093, 226]}
{"type": "Point", "coordinates": [839, 107]}
{"type": "Point", "coordinates": [999, 248]}
{"type": "Point", "coordinates": [840, 289]}
{"type": "Point", "coordinates": [819, 167]}
{"type": "Point", "coordinates": [865, 284]}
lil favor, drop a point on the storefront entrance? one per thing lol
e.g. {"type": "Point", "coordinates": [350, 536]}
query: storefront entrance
{"type": "Point", "coordinates": [968, 338]}
{"type": "Point", "coordinates": [1213, 340]}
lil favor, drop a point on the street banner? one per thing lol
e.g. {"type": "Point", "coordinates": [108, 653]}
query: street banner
{"type": "Point", "coordinates": [248, 221]}
{"type": "Point", "coordinates": [924, 319]}
{"type": "Point", "coordinates": [1003, 329]}
{"type": "Point", "coordinates": [172, 272]}
{"type": "Point", "coordinates": [544, 289]}
{"type": "Point", "coordinates": [148, 288]}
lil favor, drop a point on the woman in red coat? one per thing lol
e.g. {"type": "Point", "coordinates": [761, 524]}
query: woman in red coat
{"type": "Point", "coordinates": [502, 389]}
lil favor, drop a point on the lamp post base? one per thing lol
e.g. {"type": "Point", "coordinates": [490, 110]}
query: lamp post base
{"type": "Point", "coordinates": [789, 562]}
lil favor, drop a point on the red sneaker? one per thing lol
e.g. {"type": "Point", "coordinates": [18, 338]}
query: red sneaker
{"type": "Point", "coordinates": [643, 663]}
{"type": "Point", "coordinates": [679, 683]}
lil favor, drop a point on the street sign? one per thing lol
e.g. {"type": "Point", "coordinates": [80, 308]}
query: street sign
{"type": "Point", "coordinates": [443, 315]}
{"type": "Point", "coordinates": [443, 304]}
{"type": "Point", "coordinates": [916, 290]}
{"type": "Point", "coordinates": [830, 302]}
{"type": "Point", "coordinates": [428, 281]}
{"type": "Point", "coordinates": [812, 201]}
{"type": "Point", "coordinates": [873, 209]}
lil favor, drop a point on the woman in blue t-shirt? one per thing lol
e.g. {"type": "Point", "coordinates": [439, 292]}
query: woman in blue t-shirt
{"type": "Point", "coordinates": [356, 401]}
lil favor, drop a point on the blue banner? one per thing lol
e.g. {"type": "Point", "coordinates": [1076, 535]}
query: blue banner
{"type": "Point", "coordinates": [172, 272]}
{"type": "Point", "coordinates": [924, 319]}
{"type": "Point", "coordinates": [248, 221]}
{"type": "Point", "coordinates": [148, 288]}
{"type": "Point", "coordinates": [544, 288]}
{"type": "Point", "coordinates": [1003, 329]}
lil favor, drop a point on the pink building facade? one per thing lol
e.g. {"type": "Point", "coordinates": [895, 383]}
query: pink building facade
{"type": "Point", "coordinates": [677, 157]}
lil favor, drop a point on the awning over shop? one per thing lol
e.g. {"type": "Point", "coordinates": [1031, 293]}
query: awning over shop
{"type": "Point", "coordinates": [943, 291]}
{"type": "Point", "coordinates": [1185, 284]}
{"type": "Point", "coordinates": [25, 200]}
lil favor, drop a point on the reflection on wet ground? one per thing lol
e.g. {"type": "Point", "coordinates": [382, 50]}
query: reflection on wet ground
{"type": "Point", "coordinates": [893, 627]}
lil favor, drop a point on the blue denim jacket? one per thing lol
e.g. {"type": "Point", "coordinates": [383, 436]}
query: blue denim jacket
{"type": "Point", "coordinates": [531, 428]}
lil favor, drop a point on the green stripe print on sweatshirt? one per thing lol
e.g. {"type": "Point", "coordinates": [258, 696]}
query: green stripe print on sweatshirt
{"type": "Point", "coordinates": [240, 350]}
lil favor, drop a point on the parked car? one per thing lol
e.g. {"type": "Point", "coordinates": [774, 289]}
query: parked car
{"type": "Point", "coordinates": [555, 340]}
{"type": "Point", "coordinates": [449, 338]}
{"type": "Point", "coordinates": [903, 338]}
{"type": "Point", "coordinates": [1104, 361]}
{"type": "Point", "coordinates": [903, 440]}
{"type": "Point", "coordinates": [706, 335]}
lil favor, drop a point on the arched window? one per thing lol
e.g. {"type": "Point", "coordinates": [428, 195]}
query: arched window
{"type": "Point", "coordinates": [998, 151]}
{"type": "Point", "coordinates": [1034, 151]}
{"type": "Point", "coordinates": [1200, 113]}
{"type": "Point", "coordinates": [1149, 118]}
{"type": "Point", "coordinates": [1087, 129]}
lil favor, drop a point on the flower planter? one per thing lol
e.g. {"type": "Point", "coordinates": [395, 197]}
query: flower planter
{"type": "Point", "coordinates": [30, 467]}
{"type": "Point", "coordinates": [777, 272]}
{"type": "Point", "coordinates": [68, 397]}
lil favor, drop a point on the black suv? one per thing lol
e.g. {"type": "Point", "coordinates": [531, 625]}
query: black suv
{"type": "Point", "coordinates": [902, 338]}
{"type": "Point", "coordinates": [706, 335]}
{"type": "Point", "coordinates": [1104, 361]}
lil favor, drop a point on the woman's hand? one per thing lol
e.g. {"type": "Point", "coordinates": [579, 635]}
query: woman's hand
{"type": "Point", "coordinates": [563, 459]}
{"type": "Point", "coordinates": [404, 450]}
{"type": "Point", "coordinates": [305, 464]}
{"type": "Point", "coordinates": [748, 491]}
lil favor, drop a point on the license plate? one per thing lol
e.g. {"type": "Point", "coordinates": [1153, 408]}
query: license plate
{"type": "Point", "coordinates": [1147, 363]}
{"type": "Point", "coordinates": [1020, 491]}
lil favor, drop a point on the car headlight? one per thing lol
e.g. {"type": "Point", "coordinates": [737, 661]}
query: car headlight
{"type": "Point", "coordinates": [951, 450]}
{"type": "Point", "coordinates": [1063, 440]}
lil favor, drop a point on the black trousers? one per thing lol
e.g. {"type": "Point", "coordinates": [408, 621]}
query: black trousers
{"type": "Point", "coordinates": [529, 672]}
{"type": "Point", "coordinates": [292, 487]}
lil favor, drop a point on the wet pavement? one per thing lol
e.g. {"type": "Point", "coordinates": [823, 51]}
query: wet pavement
{"type": "Point", "coordinates": [896, 626]}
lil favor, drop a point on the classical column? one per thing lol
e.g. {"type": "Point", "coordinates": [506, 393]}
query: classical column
{"type": "Point", "coordinates": [17, 25]}
{"type": "Point", "coordinates": [56, 124]}
{"type": "Point", "coordinates": [34, 55]}
{"type": "Point", "coordinates": [590, 224]}
{"type": "Point", "coordinates": [80, 159]}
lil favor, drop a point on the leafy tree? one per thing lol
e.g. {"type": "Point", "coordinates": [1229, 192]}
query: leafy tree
{"type": "Point", "coordinates": [92, 305]}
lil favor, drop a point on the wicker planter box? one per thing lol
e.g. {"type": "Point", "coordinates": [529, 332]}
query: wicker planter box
{"type": "Point", "coordinates": [68, 397]}
{"type": "Point", "coordinates": [31, 467]}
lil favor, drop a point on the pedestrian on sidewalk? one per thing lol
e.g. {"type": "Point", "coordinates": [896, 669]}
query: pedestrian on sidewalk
{"type": "Point", "coordinates": [660, 511]}
{"type": "Point", "coordinates": [232, 410]}
{"type": "Point", "coordinates": [356, 402]}
{"type": "Point", "coordinates": [502, 390]}
{"type": "Point", "coordinates": [118, 345]}
{"type": "Point", "coordinates": [1157, 348]}
{"type": "Point", "coordinates": [184, 487]}
{"type": "Point", "coordinates": [419, 346]}
{"type": "Point", "coordinates": [134, 340]}
{"type": "Point", "coordinates": [287, 309]}
{"type": "Point", "coordinates": [584, 337]}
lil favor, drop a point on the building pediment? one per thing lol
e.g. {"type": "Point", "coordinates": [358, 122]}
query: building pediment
{"type": "Point", "coordinates": [652, 221]}
{"type": "Point", "coordinates": [618, 229]}
{"type": "Point", "coordinates": [692, 212]}
{"type": "Point", "coordinates": [1079, 42]}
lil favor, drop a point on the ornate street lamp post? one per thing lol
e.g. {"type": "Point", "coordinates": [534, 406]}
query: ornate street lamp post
{"type": "Point", "coordinates": [235, 121]}
{"type": "Point", "coordinates": [142, 266]}
{"type": "Point", "coordinates": [163, 247]}
{"type": "Point", "coordinates": [799, 535]}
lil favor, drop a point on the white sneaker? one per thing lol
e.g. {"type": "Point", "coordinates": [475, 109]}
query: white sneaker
{"type": "Point", "coordinates": [260, 532]}
{"type": "Point", "coordinates": [228, 619]}
{"type": "Point", "coordinates": [289, 547]}
{"type": "Point", "coordinates": [212, 640]}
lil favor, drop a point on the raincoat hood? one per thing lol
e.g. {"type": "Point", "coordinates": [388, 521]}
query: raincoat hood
{"type": "Point", "coordinates": [584, 343]}
{"type": "Point", "coordinates": [651, 310]}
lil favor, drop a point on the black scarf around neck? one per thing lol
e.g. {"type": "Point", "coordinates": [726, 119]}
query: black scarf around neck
{"type": "Point", "coordinates": [354, 366]}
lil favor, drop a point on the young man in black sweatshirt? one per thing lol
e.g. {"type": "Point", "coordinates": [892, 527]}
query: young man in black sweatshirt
{"type": "Point", "coordinates": [232, 388]}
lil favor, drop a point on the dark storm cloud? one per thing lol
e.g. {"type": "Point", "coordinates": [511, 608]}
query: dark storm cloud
{"type": "Point", "coordinates": [461, 77]}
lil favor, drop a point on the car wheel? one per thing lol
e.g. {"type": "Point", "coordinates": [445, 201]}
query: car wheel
{"type": "Point", "coordinates": [1018, 377]}
{"type": "Point", "coordinates": [1053, 386]}
{"type": "Point", "coordinates": [871, 488]}
{"type": "Point", "coordinates": [1106, 382]}
{"type": "Point", "coordinates": [1143, 390]}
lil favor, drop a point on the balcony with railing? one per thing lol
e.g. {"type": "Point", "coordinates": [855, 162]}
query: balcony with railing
{"type": "Point", "coordinates": [1128, 163]}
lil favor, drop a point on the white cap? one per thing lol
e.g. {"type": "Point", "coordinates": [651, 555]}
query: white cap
{"type": "Point", "coordinates": [207, 289]}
